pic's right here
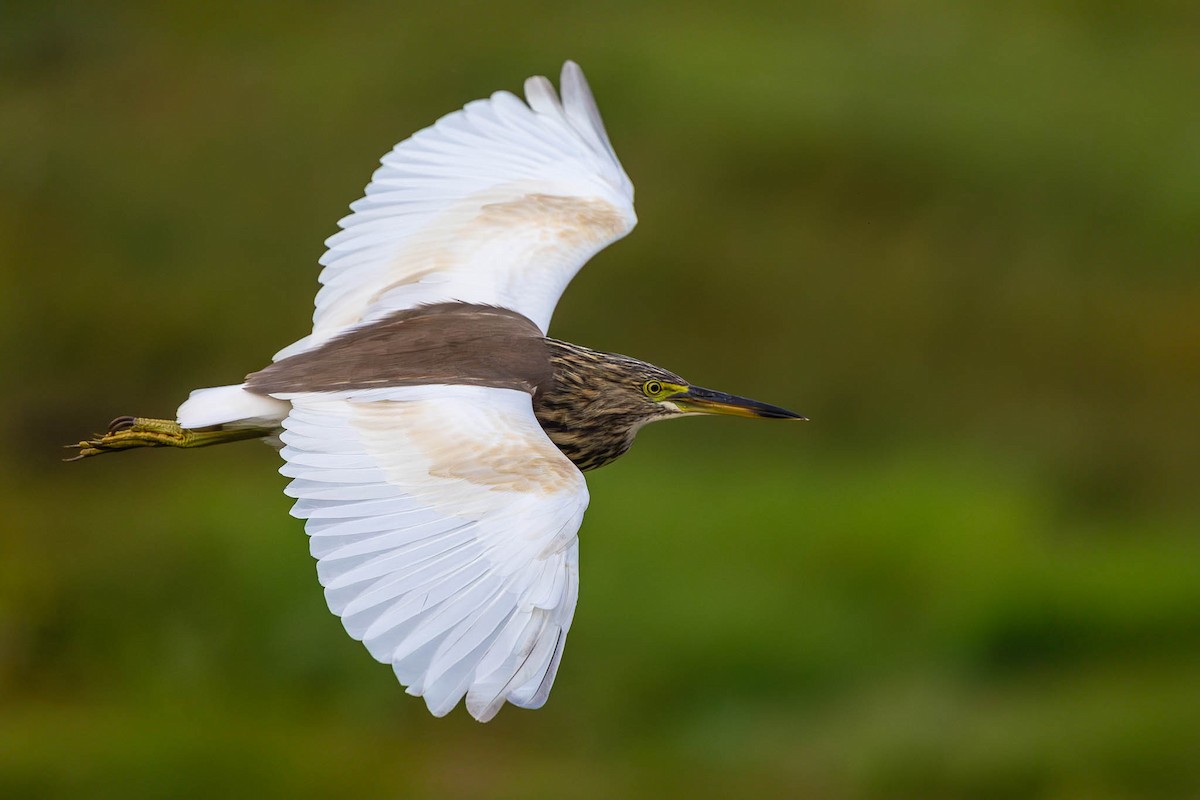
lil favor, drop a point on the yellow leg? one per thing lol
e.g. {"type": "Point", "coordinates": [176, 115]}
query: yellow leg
{"type": "Point", "coordinates": [126, 433]}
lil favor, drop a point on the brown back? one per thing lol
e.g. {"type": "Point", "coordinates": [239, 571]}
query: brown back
{"type": "Point", "coordinates": [450, 343]}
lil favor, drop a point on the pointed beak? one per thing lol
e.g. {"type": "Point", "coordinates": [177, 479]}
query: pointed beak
{"type": "Point", "coordinates": [705, 401]}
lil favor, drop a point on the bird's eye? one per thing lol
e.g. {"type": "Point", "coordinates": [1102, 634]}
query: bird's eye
{"type": "Point", "coordinates": [652, 388]}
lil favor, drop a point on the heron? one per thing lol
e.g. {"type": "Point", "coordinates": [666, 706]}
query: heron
{"type": "Point", "coordinates": [435, 436]}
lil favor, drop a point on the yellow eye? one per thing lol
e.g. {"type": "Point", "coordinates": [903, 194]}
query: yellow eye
{"type": "Point", "coordinates": [652, 388]}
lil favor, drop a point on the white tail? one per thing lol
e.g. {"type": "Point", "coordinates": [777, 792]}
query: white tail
{"type": "Point", "coordinates": [231, 406]}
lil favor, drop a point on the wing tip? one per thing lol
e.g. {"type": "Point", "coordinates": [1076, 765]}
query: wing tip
{"type": "Point", "coordinates": [576, 94]}
{"type": "Point", "coordinates": [572, 73]}
{"type": "Point", "coordinates": [541, 96]}
{"type": "Point", "coordinates": [580, 108]}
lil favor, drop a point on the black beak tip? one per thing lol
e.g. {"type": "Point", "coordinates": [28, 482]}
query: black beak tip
{"type": "Point", "coordinates": [785, 414]}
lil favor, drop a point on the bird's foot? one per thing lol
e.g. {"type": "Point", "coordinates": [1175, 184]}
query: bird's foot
{"type": "Point", "coordinates": [126, 433]}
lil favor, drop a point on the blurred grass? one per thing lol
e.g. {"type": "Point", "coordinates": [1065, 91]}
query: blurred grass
{"type": "Point", "coordinates": [962, 238]}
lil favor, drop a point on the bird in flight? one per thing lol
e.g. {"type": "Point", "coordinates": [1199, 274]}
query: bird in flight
{"type": "Point", "coordinates": [435, 437]}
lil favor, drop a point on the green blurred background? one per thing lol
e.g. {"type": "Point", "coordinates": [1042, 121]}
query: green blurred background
{"type": "Point", "coordinates": [963, 238]}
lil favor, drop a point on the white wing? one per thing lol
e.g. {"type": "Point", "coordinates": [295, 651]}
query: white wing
{"type": "Point", "coordinates": [499, 203]}
{"type": "Point", "coordinates": [444, 523]}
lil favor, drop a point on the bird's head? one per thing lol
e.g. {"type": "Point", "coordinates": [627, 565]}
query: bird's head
{"type": "Point", "coordinates": [607, 384]}
{"type": "Point", "coordinates": [597, 402]}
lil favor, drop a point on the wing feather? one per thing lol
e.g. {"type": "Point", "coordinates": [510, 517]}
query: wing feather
{"type": "Point", "coordinates": [444, 525]}
{"type": "Point", "coordinates": [501, 202]}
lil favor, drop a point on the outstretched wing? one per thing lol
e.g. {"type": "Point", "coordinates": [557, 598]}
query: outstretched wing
{"type": "Point", "coordinates": [500, 203]}
{"type": "Point", "coordinates": [444, 522]}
